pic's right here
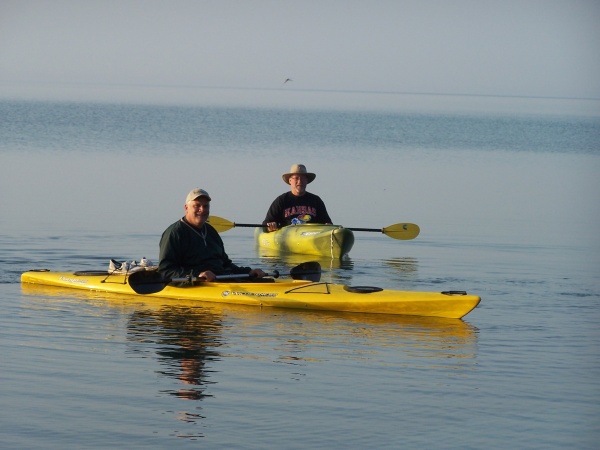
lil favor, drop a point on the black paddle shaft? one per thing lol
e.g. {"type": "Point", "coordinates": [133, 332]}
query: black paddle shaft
{"type": "Point", "coordinates": [150, 281]}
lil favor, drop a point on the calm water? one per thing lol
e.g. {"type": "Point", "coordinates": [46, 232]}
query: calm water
{"type": "Point", "coordinates": [507, 205]}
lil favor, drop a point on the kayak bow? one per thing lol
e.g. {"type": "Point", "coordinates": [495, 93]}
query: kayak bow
{"type": "Point", "coordinates": [310, 239]}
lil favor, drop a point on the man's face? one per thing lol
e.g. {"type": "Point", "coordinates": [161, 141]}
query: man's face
{"type": "Point", "coordinates": [298, 184]}
{"type": "Point", "coordinates": [197, 211]}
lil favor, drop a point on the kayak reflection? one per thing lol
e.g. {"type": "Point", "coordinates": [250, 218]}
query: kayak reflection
{"type": "Point", "coordinates": [427, 341]}
{"type": "Point", "coordinates": [334, 270]}
{"type": "Point", "coordinates": [187, 338]}
{"type": "Point", "coordinates": [184, 338]}
{"type": "Point", "coordinates": [390, 272]}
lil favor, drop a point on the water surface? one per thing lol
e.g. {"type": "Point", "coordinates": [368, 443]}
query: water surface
{"type": "Point", "coordinates": [505, 201]}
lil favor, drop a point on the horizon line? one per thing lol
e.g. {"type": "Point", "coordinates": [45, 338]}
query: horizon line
{"type": "Point", "coordinates": [246, 88]}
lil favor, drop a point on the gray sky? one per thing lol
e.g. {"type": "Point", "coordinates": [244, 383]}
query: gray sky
{"type": "Point", "coordinates": [548, 48]}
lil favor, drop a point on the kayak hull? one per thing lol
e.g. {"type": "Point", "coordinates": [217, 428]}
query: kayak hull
{"type": "Point", "coordinates": [309, 239]}
{"type": "Point", "coordinates": [295, 294]}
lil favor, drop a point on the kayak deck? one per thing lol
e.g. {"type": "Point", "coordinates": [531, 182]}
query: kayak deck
{"type": "Point", "coordinates": [296, 294]}
{"type": "Point", "coordinates": [310, 239]}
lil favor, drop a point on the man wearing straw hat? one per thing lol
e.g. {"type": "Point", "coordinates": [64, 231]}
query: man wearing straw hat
{"type": "Point", "coordinates": [296, 206]}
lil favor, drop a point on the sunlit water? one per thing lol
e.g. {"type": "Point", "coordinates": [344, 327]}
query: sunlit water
{"type": "Point", "coordinates": [507, 205]}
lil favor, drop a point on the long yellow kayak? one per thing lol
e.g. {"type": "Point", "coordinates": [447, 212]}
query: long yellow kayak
{"type": "Point", "coordinates": [295, 293]}
{"type": "Point", "coordinates": [310, 239]}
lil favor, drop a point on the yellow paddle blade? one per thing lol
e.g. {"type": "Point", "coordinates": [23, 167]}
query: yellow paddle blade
{"type": "Point", "coordinates": [402, 231]}
{"type": "Point", "coordinates": [220, 224]}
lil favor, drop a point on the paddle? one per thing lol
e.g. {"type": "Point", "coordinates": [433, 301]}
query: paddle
{"type": "Point", "coordinates": [151, 282]}
{"type": "Point", "coordinates": [401, 231]}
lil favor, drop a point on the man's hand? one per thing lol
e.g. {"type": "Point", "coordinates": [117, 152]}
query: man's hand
{"type": "Point", "coordinates": [207, 276]}
{"type": "Point", "coordinates": [257, 273]}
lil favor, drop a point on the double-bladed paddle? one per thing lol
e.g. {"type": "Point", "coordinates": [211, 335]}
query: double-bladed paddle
{"type": "Point", "coordinates": [401, 231]}
{"type": "Point", "coordinates": [151, 282]}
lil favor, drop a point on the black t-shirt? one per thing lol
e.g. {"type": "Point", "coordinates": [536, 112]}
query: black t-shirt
{"type": "Point", "coordinates": [288, 209]}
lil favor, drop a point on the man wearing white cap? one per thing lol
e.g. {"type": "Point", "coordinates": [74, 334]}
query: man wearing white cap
{"type": "Point", "coordinates": [191, 245]}
{"type": "Point", "coordinates": [297, 205]}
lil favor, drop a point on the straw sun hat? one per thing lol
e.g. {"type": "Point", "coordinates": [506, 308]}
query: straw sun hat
{"type": "Point", "coordinates": [298, 169]}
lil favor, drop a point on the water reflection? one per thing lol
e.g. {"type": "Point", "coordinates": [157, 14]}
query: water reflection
{"type": "Point", "coordinates": [335, 270]}
{"type": "Point", "coordinates": [342, 271]}
{"type": "Point", "coordinates": [184, 339]}
{"type": "Point", "coordinates": [308, 336]}
{"type": "Point", "coordinates": [401, 265]}
{"type": "Point", "coordinates": [399, 271]}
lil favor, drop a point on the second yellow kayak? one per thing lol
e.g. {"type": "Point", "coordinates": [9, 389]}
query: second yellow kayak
{"type": "Point", "coordinates": [331, 241]}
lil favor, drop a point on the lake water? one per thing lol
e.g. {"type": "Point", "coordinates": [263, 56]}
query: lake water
{"type": "Point", "coordinates": [505, 192]}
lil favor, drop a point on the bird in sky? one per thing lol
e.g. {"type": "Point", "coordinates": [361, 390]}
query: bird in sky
{"type": "Point", "coordinates": [286, 80]}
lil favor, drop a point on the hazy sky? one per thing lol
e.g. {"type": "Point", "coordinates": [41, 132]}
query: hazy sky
{"type": "Point", "coordinates": [547, 48]}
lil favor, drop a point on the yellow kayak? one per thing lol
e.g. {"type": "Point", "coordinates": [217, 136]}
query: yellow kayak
{"type": "Point", "coordinates": [332, 241]}
{"type": "Point", "coordinates": [294, 293]}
